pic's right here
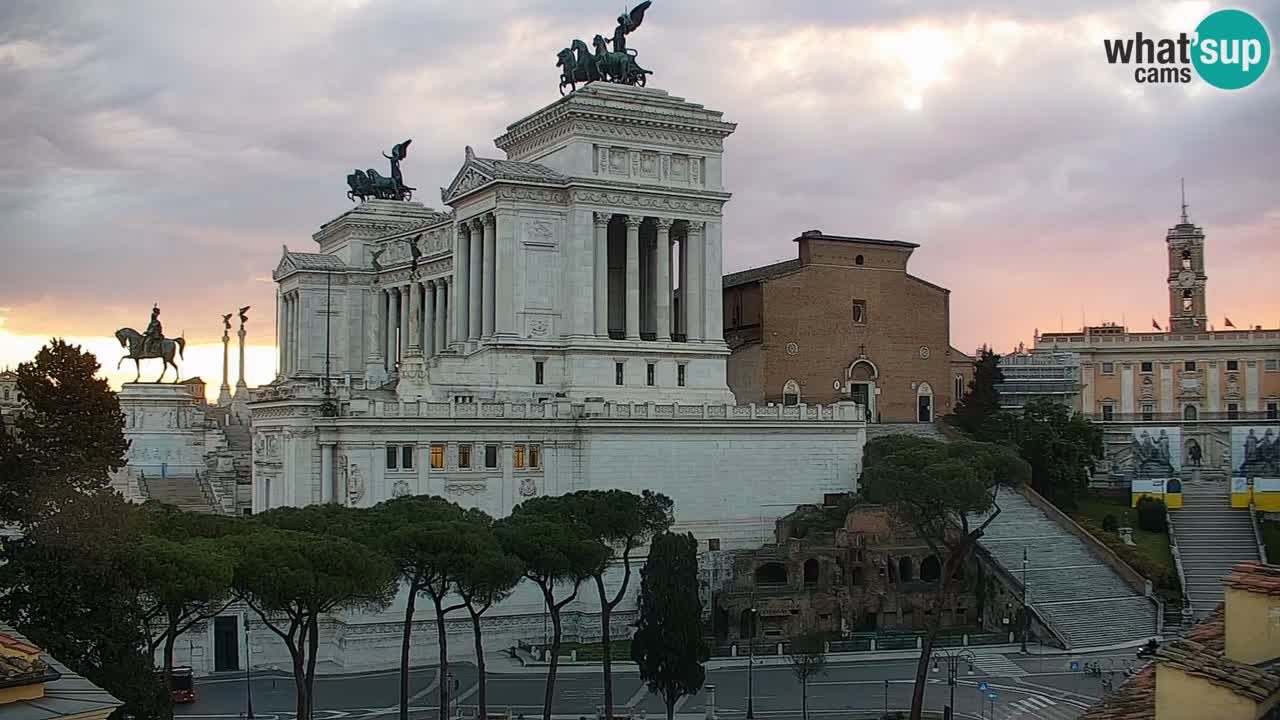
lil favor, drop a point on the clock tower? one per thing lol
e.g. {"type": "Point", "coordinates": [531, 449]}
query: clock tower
{"type": "Point", "coordinates": [1187, 310]}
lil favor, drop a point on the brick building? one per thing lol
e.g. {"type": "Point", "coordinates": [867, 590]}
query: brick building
{"type": "Point", "coordinates": [844, 321]}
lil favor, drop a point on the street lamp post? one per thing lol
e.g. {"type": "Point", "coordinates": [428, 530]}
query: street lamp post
{"type": "Point", "coordinates": [1026, 614]}
{"type": "Point", "coordinates": [248, 673]}
{"type": "Point", "coordinates": [751, 660]}
{"type": "Point", "coordinates": [952, 662]}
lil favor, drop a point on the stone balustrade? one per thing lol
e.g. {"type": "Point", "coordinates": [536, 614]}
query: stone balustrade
{"type": "Point", "coordinates": [601, 410]}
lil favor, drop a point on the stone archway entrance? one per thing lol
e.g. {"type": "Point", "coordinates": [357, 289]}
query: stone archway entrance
{"type": "Point", "coordinates": [862, 376]}
{"type": "Point", "coordinates": [924, 403]}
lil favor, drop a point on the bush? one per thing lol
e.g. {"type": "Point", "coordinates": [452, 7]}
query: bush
{"type": "Point", "coordinates": [1151, 515]}
{"type": "Point", "coordinates": [1110, 524]}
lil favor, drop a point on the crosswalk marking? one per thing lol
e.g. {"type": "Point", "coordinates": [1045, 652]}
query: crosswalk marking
{"type": "Point", "coordinates": [998, 665]}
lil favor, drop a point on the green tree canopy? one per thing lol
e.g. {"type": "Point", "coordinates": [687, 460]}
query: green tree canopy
{"type": "Point", "coordinates": [291, 578]}
{"type": "Point", "coordinates": [668, 643]}
{"type": "Point", "coordinates": [982, 400]}
{"type": "Point", "coordinates": [1062, 447]}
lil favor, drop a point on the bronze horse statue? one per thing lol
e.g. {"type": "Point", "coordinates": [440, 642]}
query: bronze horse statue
{"type": "Point", "coordinates": [134, 341]}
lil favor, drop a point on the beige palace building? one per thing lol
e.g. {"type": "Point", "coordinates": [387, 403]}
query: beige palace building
{"type": "Point", "coordinates": [1204, 389]}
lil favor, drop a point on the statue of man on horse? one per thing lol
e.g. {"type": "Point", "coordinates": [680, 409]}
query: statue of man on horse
{"type": "Point", "coordinates": [151, 344]}
{"type": "Point", "coordinates": [578, 65]}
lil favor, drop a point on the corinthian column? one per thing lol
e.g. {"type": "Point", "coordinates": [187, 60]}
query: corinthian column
{"type": "Point", "coordinates": [601, 285]}
{"type": "Point", "coordinates": [461, 283]}
{"type": "Point", "coordinates": [428, 319]}
{"type": "Point", "coordinates": [443, 331]}
{"type": "Point", "coordinates": [476, 288]}
{"type": "Point", "coordinates": [489, 275]}
{"type": "Point", "coordinates": [224, 392]}
{"type": "Point", "coordinates": [693, 295]}
{"type": "Point", "coordinates": [633, 276]}
{"type": "Point", "coordinates": [415, 317]}
{"type": "Point", "coordinates": [662, 282]}
{"type": "Point", "coordinates": [240, 383]}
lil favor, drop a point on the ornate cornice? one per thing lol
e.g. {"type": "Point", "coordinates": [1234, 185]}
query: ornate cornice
{"type": "Point", "coordinates": [527, 193]}
{"type": "Point", "coordinates": [644, 201]}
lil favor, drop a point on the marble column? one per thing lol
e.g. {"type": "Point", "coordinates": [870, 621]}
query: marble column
{"type": "Point", "coordinates": [372, 323]}
{"type": "Point", "coordinates": [293, 332]}
{"type": "Point", "coordinates": [489, 275]}
{"type": "Point", "coordinates": [601, 288]}
{"type": "Point", "coordinates": [402, 343]}
{"type": "Point", "coordinates": [475, 288]}
{"type": "Point", "coordinates": [280, 325]}
{"type": "Point", "coordinates": [662, 282]}
{"type": "Point", "coordinates": [633, 276]}
{"type": "Point", "coordinates": [390, 325]}
{"type": "Point", "coordinates": [224, 391]}
{"type": "Point", "coordinates": [461, 283]}
{"type": "Point", "coordinates": [442, 313]}
{"type": "Point", "coordinates": [504, 275]}
{"type": "Point", "coordinates": [428, 319]}
{"type": "Point", "coordinates": [240, 383]}
{"type": "Point", "coordinates": [286, 334]}
{"type": "Point", "coordinates": [415, 318]}
{"type": "Point", "coordinates": [692, 296]}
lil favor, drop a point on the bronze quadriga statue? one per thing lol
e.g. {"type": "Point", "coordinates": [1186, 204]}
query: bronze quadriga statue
{"type": "Point", "coordinates": [579, 65]}
{"type": "Point", "coordinates": [369, 183]}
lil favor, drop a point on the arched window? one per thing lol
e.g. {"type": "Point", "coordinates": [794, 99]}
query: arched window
{"type": "Point", "coordinates": [1190, 413]}
{"type": "Point", "coordinates": [1188, 301]}
{"type": "Point", "coordinates": [930, 569]}
{"type": "Point", "coordinates": [811, 571]}
{"type": "Point", "coordinates": [858, 260]}
{"type": "Point", "coordinates": [959, 387]}
{"type": "Point", "coordinates": [771, 574]}
{"type": "Point", "coordinates": [6, 393]}
{"type": "Point", "coordinates": [791, 393]}
{"type": "Point", "coordinates": [924, 403]}
{"type": "Point", "coordinates": [904, 570]}
{"type": "Point", "coordinates": [1186, 259]}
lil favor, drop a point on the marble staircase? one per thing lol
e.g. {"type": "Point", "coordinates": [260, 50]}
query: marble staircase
{"type": "Point", "coordinates": [184, 492]}
{"type": "Point", "coordinates": [1211, 537]}
{"type": "Point", "coordinates": [1072, 589]}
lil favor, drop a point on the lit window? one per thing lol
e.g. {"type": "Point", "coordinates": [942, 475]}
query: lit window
{"type": "Point", "coordinates": [538, 368]}
{"type": "Point", "coordinates": [680, 375]}
{"type": "Point", "coordinates": [648, 374]}
{"type": "Point", "coordinates": [392, 455]}
{"type": "Point", "coordinates": [1108, 413]}
{"type": "Point", "coordinates": [1108, 368]}
{"type": "Point", "coordinates": [859, 312]}
{"type": "Point", "coordinates": [535, 453]}
{"type": "Point", "coordinates": [406, 457]}
{"type": "Point", "coordinates": [437, 457]}
{"type": "Point", "coordinates": [464, 456]}
{"type": "Point", "coordinates": [517, 457]}
{"type": "Point", "coordinates": [491, 456]}
{"type": "Point", "coordinates": [617, 373]}
{"type": "Point", "coordinates": [1233, 365]}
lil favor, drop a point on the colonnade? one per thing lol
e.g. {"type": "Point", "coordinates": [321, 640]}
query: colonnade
{"type": "Point", "coordinates": [410, 318]}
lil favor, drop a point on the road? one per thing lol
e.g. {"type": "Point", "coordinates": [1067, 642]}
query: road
{"type": "Point", "coordinates": [1026, 688]}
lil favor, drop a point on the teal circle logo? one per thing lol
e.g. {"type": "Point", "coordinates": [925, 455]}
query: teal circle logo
{"type": "Point", "coordinates": [1232, 49]}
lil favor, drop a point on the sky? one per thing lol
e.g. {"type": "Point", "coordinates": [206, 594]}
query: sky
{"type": "Point", "coordinates": [165, 152]}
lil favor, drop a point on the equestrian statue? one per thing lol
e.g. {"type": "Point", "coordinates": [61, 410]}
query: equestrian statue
{"type": "Point", "coordinates": [579, 65]}
{"type": "Point", "coordinates": [151, 344]}
{"type": "Point", "coordinates": [369, 183]}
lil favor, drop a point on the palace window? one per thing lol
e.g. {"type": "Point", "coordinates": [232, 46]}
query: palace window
{"type": "Point", "coordinates": [1108, 413]}
{"type": "Point", "coordinates": [1273, 411]}
{"type": "Point", "coordinates": [538, 368]}
{"type": "Point", "coordinates": [399, 457]}
{"type": "Point", "coordinates": [406, 457]}
{"type": "Point", "coordinates": [791, 393]}
{"type": "Point", "coordinates": [680, 374]}
{"type": "Point", "coordinates": [1190, 413]}
{"type": "Point", "coordinates": [649, 373]}
{"type": "Point", "coordinates": [535, 457]}
{"type": "Point", "coordinates": [1233, 365]}
{"type": "Point", "coordinates": [437, 457]}
{"type": "Point", "coordinates": [1148, 412]}
{"type": "Point", "coordinates": [859, 312]}
{"type": "Point", "coordinates": [1233, 411]}
{"type": "Point", "coordinates": [1108, 368]}
{"type": "Point", "coordinates": [464, 457]}
{"type": "Point", "coordinates": [617, 373]}
{"type": "Point", "coordinates": [1148, 366]}
{"type": "Point", "coordinates": [517, 457]}
{"type": "Point", "coordinates": [1271, 364]}
{"type": "Point", "coordinates": [1189, 366]}
{"type": "Point", "coordinates": [464, 399]}
{"type": "Point", "coordinates": [490, 456]}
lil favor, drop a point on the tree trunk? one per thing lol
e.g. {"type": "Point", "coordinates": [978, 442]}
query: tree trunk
{"type": "Point", "coordinates": [922, 672]}
{"type": "Point", "coordinates": [170, 639]}
{"type": "Point", "coordinates": [297, 652]}
{"type": "Point", "coordinates": [404, 650]}
{"type": "Point", "coordinates": [549, 695]}
{"type": "Point", "coordinates": [313, 649]}
{"type": "Point", "coordinates": [444, 656]}
{"type": "Point", "coordinates": [606, 650]}
{"type": "Point", "coordinates": [671, 705]}
{"type": "Point", "coordinates": [804, 698]}
{"type": "Point", "coordinates": [482, 709]}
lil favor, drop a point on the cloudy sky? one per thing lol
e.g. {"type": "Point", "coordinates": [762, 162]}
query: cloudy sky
{"type": "Point", "coordinates": [163, 152]}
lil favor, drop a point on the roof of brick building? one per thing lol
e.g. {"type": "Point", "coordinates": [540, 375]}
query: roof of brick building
{"type": "Point", "coordinates": [1255, 577]}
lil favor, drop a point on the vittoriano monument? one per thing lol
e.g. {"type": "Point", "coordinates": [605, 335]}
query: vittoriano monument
{"type": "Point", "coordinates": [579, 65]}
{"type": "Point", "coordinates": [151, 344]}
{"type": "Point", "coordinates": [366, 184]}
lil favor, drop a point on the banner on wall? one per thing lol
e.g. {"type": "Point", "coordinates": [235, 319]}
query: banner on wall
{"type": "Point", "coordinates": [1266, 485]}
{"type": "Point", "coordinates": [1239, 485]}
{"type": "Point", "coordinates": [1156, 451]}
{"type": "Point", "coordinates": [1255, 450]}
{"type": "Point", "coordinates": [1149, 486]}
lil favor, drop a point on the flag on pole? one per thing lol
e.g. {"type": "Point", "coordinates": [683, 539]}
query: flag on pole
{"type": "Point", "coordinates": [1156, 325]}
{"type": "Point", "coordinates": [1228, 323]}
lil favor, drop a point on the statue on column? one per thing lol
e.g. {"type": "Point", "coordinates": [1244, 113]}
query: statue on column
{"type": "Point", "coordinates": [244, 318]}
{"type": "Point", "coordinates": [150, 344]}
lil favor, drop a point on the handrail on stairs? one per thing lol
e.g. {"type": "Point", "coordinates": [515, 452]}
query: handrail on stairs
{"type": "Point", "coordinates": [1187, 610]}
{"type": "Point", "coordinates": [1255, 523]}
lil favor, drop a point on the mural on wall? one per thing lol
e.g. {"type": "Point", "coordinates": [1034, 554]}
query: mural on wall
{"type": "Point", "coordinates": [1156, 451]}
{"type": "Point", "coordinates": [1255, 451]}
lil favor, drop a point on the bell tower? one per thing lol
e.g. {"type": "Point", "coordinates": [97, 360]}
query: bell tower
{"type": "Point", "coordinates": [1188, 312]}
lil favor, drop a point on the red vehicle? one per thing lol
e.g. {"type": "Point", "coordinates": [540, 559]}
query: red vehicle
{"type": "Point", "coordinates": [182, 688]}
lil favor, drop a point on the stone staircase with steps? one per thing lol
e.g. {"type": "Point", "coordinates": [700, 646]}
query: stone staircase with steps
{"type": "Point", "coordinates": [1211, 537]}
{"type": "Point", "coordinates": [1073, 590]}
{"type": "Point", "coordinates": [183, 492]}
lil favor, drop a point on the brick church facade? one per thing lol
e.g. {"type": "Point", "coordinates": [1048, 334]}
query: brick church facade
{"type": "Point", "coordinates": [844, 321]}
